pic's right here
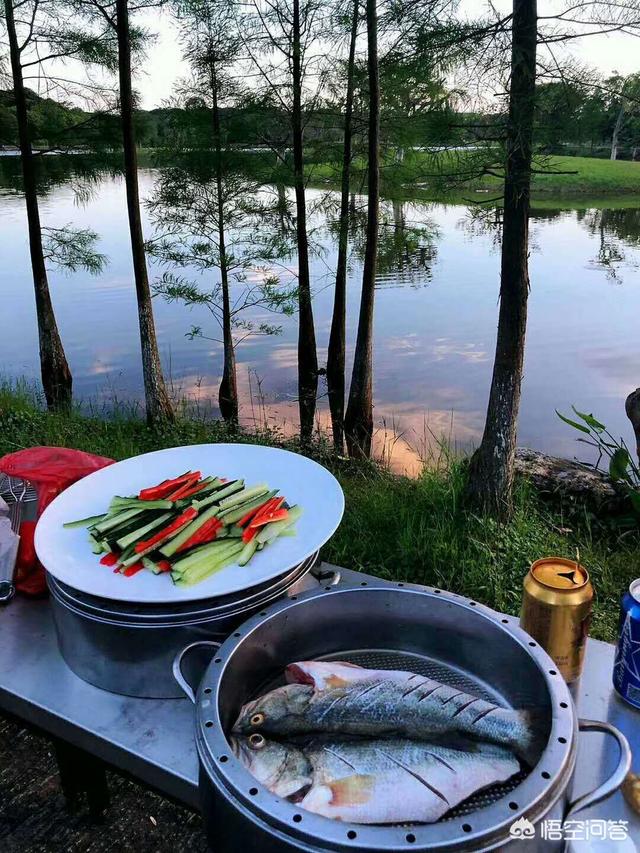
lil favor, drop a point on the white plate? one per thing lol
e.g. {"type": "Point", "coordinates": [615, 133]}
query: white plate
{"type": "Point", "coordinates": [67, 554]}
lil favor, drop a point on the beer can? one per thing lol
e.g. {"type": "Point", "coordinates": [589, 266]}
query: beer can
{"type": "Point", "coordinates": [626, 669]}
{"type": "Point", "coordinates": [556, 611]}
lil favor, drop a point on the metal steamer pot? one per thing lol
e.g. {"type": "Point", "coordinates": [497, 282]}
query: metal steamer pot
{"type": "Point", "coordinates": [437, 634]}
{"type": "Point", "coordinates": [129, 648]}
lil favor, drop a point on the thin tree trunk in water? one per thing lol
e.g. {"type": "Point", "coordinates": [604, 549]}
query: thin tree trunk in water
{"type": "Point", "coordinates": [156, 397]}
{"type": "Point", "coordinates": [616, 133]}
{"type": "Point", "coordinates": [307, 354]}
{"type": "Point", "coordinates": [359, 418]}
{"type": "Point", "coordinates": [492, 465]}
{"type": "Point", "coordinates": [336, 349]}
{"type": "Point", "coordinates": [228, 393]}
{"type": "Point", "coordinates": [56, 376]}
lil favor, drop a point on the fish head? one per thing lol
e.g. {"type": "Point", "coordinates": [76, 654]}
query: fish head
{"type": "Point", "coordinates": [281, 711]}
{"type": "Point", "coordinates": [282, 769]}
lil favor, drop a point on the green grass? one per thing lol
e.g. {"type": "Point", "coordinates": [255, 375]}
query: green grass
{"type": "Point", "coordinates": [401, 529]}
{"type": "Point", "coordinates": [431, 174]}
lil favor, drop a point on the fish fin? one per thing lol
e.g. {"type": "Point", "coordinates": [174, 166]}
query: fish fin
{"type": "Point", "coordinates": [352, 790]}
{"type": "Point", "coordinates": [536, 726]}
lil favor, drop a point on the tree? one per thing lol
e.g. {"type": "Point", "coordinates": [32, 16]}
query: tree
{"type": "Point", "coordinates": [156, 397]}
{"type": "Point", "coordinates": [359, 417]}
{"type": "Point", "coordinates": [212, 46]}
{"type": "Point", "coordinates": [185, 208]}
{"type": "Point", "coordinates": [491, 466]}
{"type": "Point", "coordinates": [45, 35]}
{"type": "Point", "coordinates": [115, 14]}
{"type": "Point", "coordinates": [337, 336]}
{"type": "Point", "coordinates": [278, 41]}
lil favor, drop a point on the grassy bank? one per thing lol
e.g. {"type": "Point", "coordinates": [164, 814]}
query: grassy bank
{"type": "Point", "coordinates": [434, 174]}
{"type": "Point", "coordinates": [411, 530]}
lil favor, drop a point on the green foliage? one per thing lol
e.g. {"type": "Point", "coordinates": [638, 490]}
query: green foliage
{"type": "Point", "coordinates": [621, 467]}
{"type": "Point", "coordinates": [70, 249]}
{"type": "Point", "coordinates": [186, 214]}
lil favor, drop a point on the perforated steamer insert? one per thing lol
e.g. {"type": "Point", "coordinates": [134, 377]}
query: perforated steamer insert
{"type": "Point", "coordinates": [439, 635]}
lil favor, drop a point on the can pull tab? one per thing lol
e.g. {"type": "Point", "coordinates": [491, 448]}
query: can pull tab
{"type": "Point", "coordinates": [570, 576]}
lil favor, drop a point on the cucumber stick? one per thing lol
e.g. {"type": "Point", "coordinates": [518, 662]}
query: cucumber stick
{"type": "Point", "coordinates": [195, 556]}
{"type": "Point", "coordinates": [136, 503]}
{"type": "Point", "coordinates": [217, 496]}
{"type": "Point", "coordinates": [275, 528]}
{"type": "Point", "coordinates": [244, 496]}
{"type": "Point", "coordinates": [187, 532]}
{"type": "Point", "coordinates": [200, 572]}
{"type": "Point", "coordinates": [210, 559]}
{"type": "Point", "coordinates": [247, 552]}
{"type": "Point", "coordinates": [233, 514]}
{"type": "Point", "coordinates": [115, 520]}
{"type": "Point", "coordinates": [84, 522]}
{"type": "Point", "coordinates": [132, 538]}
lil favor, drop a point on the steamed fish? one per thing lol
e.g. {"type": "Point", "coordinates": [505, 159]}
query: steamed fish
{"type": "Point", "coordinates": [377, 781]}
{"type": "Point", "coordinates": [388, 703]}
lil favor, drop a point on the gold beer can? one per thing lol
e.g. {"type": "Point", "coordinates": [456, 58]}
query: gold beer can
{"type": "Point", "coordinates": [556, 611]}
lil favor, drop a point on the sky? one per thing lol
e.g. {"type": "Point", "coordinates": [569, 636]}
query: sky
{"type": "Point", "coordinates": [607, 53]}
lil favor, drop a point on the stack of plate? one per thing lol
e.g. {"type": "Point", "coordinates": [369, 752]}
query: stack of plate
{"type": "Point", "coordinates": [129, 648]}
{"type": "Point", "coordinates": [120, 633]}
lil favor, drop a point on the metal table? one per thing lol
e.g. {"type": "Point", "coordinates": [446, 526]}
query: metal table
{"type": "Point", "coordinates": [152, 739]}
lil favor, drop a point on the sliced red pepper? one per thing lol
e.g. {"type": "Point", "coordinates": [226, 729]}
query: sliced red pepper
{"type": "Point", "coordinates": [186, 491]}
{"type": "Point", "coordinates": [133, 570]}
{"type": "Point", "coordinates": [187, 515]}
{"type": "Point", "coordinates": [268, 517]}
{"type": "Point", "coordinates": [206, 533]}
{"type": "Point", "coordinates": [109, 559]}
{"type": "Point", "coordinates": [164, 565]}
{"type": "Point", "coordinates": [249, 533]}
{"type": "Point", "coordinates": [271, 506]}
{"type": "Point", "coordinates": [183, 489]}
{"type": "Point", "coordinates": [254, 512]}
{"type": "Point", "coordinates": [154, 493]}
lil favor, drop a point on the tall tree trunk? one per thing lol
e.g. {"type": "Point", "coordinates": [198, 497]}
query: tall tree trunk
{"type": "Point", "coordinates": [632, 408]}
{"type": "Point", "coordinates": [616, 132]}
{"type": "Point", "coordinates": [228, 393]}
{"type": "Point", "coordinates": [307, 354]}
{"type": "Point", "coordinates": [359, 418]}
{"type": "Point", "coordinates": [156, 397]}
{"type": "Point", "coordinates": [491, 467]}
{"type": "Point", "coordinates": [336, 349]}
{"type": "Point", "coordinates": [56, 376]}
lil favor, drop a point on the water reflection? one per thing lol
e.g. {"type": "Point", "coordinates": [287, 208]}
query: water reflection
{"type": "Point", "coordinates": [436, 311]}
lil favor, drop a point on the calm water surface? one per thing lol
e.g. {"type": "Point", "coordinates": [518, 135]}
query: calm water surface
{"type": "Point", "coordinates": [436, 314]}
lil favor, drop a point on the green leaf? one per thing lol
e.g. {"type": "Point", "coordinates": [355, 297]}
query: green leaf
{"type": "Point", "coordinates": [618, 464]}
{"type": "Point", "coordinates": [572, 423]}
{"type": "Point", "coordinates": [590, 420]}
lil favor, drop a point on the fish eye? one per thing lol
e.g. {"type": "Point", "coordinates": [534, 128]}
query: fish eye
{"type": "Point", "coordinates": [257, 719]}
{"type": "Point", "coordinates": [257, 741]}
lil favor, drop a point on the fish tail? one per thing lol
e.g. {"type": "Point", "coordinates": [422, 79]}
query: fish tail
{"type": "Point", "coordinates": [536, 733]}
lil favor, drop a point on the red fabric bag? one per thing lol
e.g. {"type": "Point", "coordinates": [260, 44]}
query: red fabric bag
{"type": "Point", "coordinates": [50, 470]}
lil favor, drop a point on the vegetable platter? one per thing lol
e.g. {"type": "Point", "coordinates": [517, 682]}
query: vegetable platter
{"type": "Point", "coordinates": [189, 523]}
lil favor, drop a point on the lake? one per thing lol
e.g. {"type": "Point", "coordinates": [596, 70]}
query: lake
{"type": "Point", "coordinates": [436, 314]}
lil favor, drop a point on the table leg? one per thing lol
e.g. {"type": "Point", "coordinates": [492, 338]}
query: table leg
{"type": "Point", "coordinates": [81, 773]}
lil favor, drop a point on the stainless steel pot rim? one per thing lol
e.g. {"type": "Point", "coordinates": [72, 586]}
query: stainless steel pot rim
{"type": "Point", "coordinates": [193, 611]}
{"type": "Point", "coordinates": [529, 799]}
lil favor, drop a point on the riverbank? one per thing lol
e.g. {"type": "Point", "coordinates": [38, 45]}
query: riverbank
{"type": "Point", "coordinates": [434, 176]}
{"type": "Point", "coordinates": [440, 176]}
{"type": "Point", "coordinates": [415, 530]}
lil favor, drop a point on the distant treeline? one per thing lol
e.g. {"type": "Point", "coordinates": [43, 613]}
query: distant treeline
{"type": "Point", "coordinates": [569, 120]}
